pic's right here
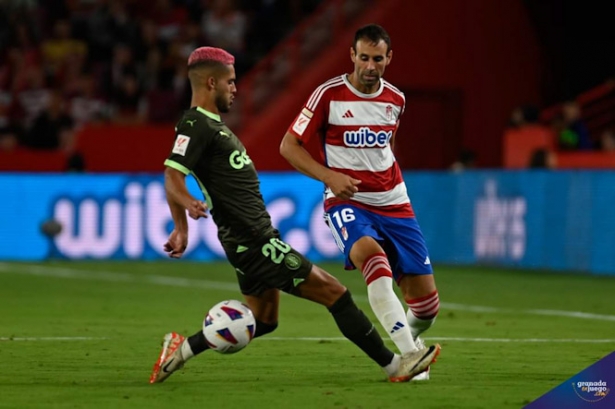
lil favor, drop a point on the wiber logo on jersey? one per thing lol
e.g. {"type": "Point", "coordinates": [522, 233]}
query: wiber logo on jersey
{"type": "Point", "coordinates": [366, 138]}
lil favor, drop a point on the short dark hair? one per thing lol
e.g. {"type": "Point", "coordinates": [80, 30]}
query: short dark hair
{"type": "Point", "coordinates": [374, 33]}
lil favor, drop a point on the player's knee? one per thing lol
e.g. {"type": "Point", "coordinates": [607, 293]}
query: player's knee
{"type": "Point", "coordinates": [263, 328]}
{"type": "Point", "coordinates": [363, 249]}
{"type": "Point", "coordinates": [343, 302]}
{"type": "Point", "coordinates": [329, 286]}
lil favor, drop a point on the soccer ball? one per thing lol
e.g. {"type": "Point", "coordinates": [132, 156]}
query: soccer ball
{"type": "Point", "coordinates": [229, 326]}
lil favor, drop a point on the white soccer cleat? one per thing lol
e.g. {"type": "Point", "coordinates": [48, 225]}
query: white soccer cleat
{"type": "Point", "coordinates": [414, 363]}
{"type": "Point", "coordinates": [170, 359]}
{"type": "Point", "coordinates": [424, 376]}
{"type": "Point", "coordinates": [420, 344]}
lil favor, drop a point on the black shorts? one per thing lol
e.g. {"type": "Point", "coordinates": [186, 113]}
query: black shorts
{"type": "Point", "coordinates": [271, 263]}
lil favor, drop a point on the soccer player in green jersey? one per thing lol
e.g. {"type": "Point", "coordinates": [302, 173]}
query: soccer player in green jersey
{"type": "Point", "coordinates": [265, 265]}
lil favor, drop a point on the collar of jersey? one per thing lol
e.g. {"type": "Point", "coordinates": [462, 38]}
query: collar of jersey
{"type": "Point", "coordinates": [359, 93]}
{"type": "Point", "coordinates": [211, 115]}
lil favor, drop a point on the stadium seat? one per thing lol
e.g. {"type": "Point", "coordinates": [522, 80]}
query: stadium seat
{"type": "Point", "coordinates": [520, 143]}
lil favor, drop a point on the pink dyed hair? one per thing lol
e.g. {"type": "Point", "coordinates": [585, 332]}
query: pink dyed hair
{"type": "Point", "coordinates": [210, 54]}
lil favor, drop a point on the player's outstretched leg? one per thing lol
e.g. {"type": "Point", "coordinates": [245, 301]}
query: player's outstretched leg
{"type": "Point", "coordinates": [423, 303]}
{"type": "Point", "coordinates": [422, 314]}
{"type": "Point", "coordinates": [177, 350]}
{"type": "Point", "coordinates": [355, 326]}
{"type": "Point", "coordinates": [385, 304]}
{"type": "Point", "coordinates": [325, 289]}
{"type": "Point", "coordinates": [170, 359]}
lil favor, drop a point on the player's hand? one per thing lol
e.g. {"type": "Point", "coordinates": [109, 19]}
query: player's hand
{"type": "Point", "coordinates": [343, 186]}
{"type": "Point", "coordinates": [197, 209]}
{"type": "Point", "coordinates": [177, 243]}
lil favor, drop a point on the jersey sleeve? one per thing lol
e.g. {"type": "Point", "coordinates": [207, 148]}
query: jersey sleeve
{"type": "Point", "coordinates": [402, 110]}
{"type": "Point", "coordinates": [190, 143]}
{"type": "Point", "coordinates": [403, 105]}
{"type": "Point", "coordinates": [312, 118]}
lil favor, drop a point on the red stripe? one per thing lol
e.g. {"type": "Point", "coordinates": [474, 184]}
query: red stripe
{"type": "Point", "coordinates": [375, 181]}
{"type": "Point", "coordinates": [376, 266]}
{"type": "Point", "coordinates": [418, 300]}
{"type": "Point", "coordinates": [380, 270]}
{"type": "Point", "coordinates": [374, 262]}
{"type": "Point", "coordinates": [423, 303]}
{"type": "Point", "coordinates": [434, 303]}
{"type": "Point", "coordinates": [427, 315]}
{"type": "Point", "coordinates": [371, 257]}
{"type": "Point", "coordinates": [319, 92]}
{"type": "Point", "coordinates": [402, 210]}
{"type": "Point", "coordinates": [395, 90]}
{"type": "Point", "coordinates": [426, 307]}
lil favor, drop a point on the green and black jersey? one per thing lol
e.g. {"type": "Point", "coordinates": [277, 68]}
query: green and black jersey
{"type": "Point", "coordinates": [206, 148]}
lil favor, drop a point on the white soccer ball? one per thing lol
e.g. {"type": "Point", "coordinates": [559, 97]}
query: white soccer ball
{"type": "Point", "coordinates": [229, 326]}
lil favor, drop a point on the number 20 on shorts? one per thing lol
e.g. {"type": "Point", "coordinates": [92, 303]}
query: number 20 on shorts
{"type": "Point", "coordinates": [276, 249]}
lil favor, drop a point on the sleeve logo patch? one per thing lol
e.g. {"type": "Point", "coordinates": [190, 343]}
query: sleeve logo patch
{"type": "Point", "coordinates": [181, 144]}
{"type": "Point", "coordinates": [301, 123]}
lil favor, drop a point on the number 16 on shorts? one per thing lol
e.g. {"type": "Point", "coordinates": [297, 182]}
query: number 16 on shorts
{"type": "Point", "coordinates": [337, 220]}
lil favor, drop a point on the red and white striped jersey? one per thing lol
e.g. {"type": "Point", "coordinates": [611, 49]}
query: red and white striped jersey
{"type": "Point", "coordinates": [356, 131]}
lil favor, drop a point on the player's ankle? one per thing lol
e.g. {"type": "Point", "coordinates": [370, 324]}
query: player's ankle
{"type": "Point", "coordinates": [186, 351]}
{"type": "Point", "coordinates": [393, 366]}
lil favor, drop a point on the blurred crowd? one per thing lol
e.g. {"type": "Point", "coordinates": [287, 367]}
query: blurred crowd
{"type": "Point", "coordinates": [66, 63]}
{"type": "Point", "coordinates": [567, 131]}
{"type": "Point", "coordinates": [562, 130]}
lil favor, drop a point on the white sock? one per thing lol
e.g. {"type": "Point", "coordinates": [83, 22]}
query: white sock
{"type": "Point", "coordinates": [422, 313]}
{"type": "Point", "coordinates": [418, 325]}
{"type": "Point", "coordinates": [391, 368]}
{"type": "Point", "coordinates": [390, 312]}
{"type": "Point", "coordinates": [186, 351]}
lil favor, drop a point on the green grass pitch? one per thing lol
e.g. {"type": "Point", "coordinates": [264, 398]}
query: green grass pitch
{"type": "Point", "coordinates": [85, 335]}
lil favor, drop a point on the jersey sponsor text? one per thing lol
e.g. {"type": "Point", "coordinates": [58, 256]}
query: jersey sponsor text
{"type": "Point", "coordinates": [366, 138]}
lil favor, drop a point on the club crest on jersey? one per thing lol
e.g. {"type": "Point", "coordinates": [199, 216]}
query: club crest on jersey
{"type": "Point", "coordinates": [366, 138]}
{"type": "Point", "coordinates": [389, 112]}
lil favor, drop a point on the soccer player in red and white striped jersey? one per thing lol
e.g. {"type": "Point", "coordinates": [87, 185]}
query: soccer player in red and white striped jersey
{"type": "Point", "coordinates": [367, 206]}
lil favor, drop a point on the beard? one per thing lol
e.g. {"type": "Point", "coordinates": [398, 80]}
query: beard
{"type": "Point", "coordinates": [222, 104]}
{"type": "Point", "coordinates": [366, 81]}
